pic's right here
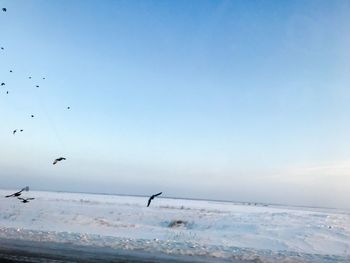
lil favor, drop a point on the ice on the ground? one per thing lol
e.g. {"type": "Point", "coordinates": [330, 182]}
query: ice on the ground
{"type": "Point", "coordinates": [221, 230]}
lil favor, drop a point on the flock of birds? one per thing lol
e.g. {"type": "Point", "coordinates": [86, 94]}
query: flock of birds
{"type": "Point", "coordinates": [26, 200]}
{"type": "Point", "coordinates": [17, 194]}
{"type": "Point", "coordinates": [59, 159]}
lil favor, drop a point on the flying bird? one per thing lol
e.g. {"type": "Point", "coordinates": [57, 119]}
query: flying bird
{"type": "Point", "coordinates": [2, 84]}
{"type": "Point", "coordinates": [29, 77]}
{"type": "Point", "coordinates": [2, 48]}
{"type": "Point", "coordinates": [32, 116]}
{"type": "Point", "coordinates": [68, 108]}
{"type": "Point", "coordinates": [4, 9]}
{"type": "Point", "coordinates": [43, 78]}
{"type": "Point", "coordinates": [10, 71]}
{"type": "Point", "coordinates": [152, 197]}
{"type": "Point", "coordinates": [37, 86]}
{"type": "Point", "coordinates": [58, 160]}
{"type": "Point", "coordinates": [25, 200]}
{"type": "Point", "coordinates": [19, 192]}
{"type": "Point", "coordinates": [21, 130]}
{"type": "Point", "coordinates": [7, 92]}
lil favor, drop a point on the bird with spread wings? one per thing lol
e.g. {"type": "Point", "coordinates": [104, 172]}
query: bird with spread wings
{"type": "Point", "coordinates": [58, 160]}
{"type": "Point", "coordinates": [19, 192]}
{"type": "Point", "coordinates": [25, 200]}
{"type": "Point", "coordinates": [152, 197]}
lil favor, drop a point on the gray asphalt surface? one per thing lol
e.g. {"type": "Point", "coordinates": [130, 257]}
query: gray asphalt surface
{"type": "Point", "coordinates": [27, 251]}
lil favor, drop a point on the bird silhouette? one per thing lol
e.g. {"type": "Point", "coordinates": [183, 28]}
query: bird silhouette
{"type": "Point", "coordinates": [7, 92]}
{"type": "Point", "coordinates": [14, 132]}
{"type": "Point", "coordinates": [152, 197]}
{"type": "Point", "coordinates": [19, 192]}
{"type": "Point", "coordinates": [2, 48]}
{"type": "Point", "coordinates": [58, 160]}
{"type": "Point", "coordinates": [29, 77]}
{"type": "Point", "coordinates": [68, 108]}
{"type": "Point", "coordinates": [37, 86]}
{"type": "Point", "coordinates": [4, 9]}
{"type": "Point", "coordinates": [10, 71]}
{"type": "Point", "coordinates": [25, 200]}
{"type": "Point", "coordinates": [32, 116]}
{"type": "Point", "coordinates": [44, 78]}
{"type": "Point", "coordinates": [21, 130]}
{"type": "Point", "coordinates": [2, 84]}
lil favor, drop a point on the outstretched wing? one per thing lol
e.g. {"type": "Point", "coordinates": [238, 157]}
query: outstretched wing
{"type": "Point", "coordinates": [158, 194]}
{"type": "Point", "coordinates": [58, 160]}
{"type": "Point", "coordinates": [31, 198]}
{"type": "Point", "coordinates": [15, 194]}
{"type": "Point", "coordinates": [20, 198]}
{"type": "Point", "coordinates": [149, 201]}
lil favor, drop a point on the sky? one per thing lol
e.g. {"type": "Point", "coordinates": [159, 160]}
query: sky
{"type": "Point", "coordinates": [233, 100]}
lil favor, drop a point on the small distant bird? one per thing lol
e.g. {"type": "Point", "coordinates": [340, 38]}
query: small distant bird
{"type": "Point", "coordinates": [2, 48]}
{"type": "Point", "coordinates": [21, 130]}
{"type": "Point", "coordinates": [2, 84]}
{"type": "Point", "coordinates": [43, 78]}
{"type": "Point", "coordinates": [10, 71]}
{"type": "Point", "coordinates": [68, 108]}
{"type": "Point", "coordinates": [4, 9]}
{"type": "Point", "coordinates": [58, 160]}
{"type": "Point", "coordinates": [32, 116]}
{"type": "Point", "coordinates": [19, 192]}
{"type": "Point", "coordinates": [29, 77]}
{"type": "Point", "coordinates": [25, 200]}
{"type": "Point", "coordinates": [7, 92]}
{"type": "Point", "coordinates": [37, 86]}
{"type": "Point", "coordinates": [152, 197]}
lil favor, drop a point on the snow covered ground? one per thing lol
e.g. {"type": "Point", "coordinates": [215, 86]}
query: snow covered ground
{"type": "Point", "coordinates": [217, 230]}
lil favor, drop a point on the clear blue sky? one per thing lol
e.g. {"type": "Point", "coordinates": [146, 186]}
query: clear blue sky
{"type": "Point", "coordinates": [236, 100]}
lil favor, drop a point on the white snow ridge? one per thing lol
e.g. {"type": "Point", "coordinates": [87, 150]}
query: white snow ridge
{"type": "Point", "coordinates": [213, 230]}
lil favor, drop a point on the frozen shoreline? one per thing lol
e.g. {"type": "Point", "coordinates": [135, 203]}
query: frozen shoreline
{"type": "Point", "coordinates": [211, 230]}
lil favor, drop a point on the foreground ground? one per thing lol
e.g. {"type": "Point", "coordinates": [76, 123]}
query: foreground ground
{"type": "Point", "coordinates": [51, 252]}
{"type": "Point", "coordinates": [102, 227]}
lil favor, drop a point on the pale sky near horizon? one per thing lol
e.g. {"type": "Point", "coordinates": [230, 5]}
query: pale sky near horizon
{"type": "Point", "coordinates": [235, 100]}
